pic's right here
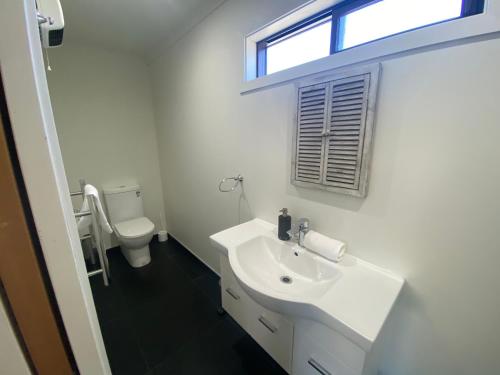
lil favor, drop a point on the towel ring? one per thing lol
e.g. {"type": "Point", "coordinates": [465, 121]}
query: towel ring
{"type": "Point", "coordinates": [237, 180]}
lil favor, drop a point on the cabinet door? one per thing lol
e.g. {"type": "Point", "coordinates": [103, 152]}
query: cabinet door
{"type": "Point", "coordinates": [272, 331]}
{"type": "Point", "coordinates": [232, 295]}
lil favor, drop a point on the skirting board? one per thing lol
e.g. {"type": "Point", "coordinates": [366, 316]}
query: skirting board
{"type": "Point", "coordinates": [194, 254]}
{"type": "Point", "coordinates": [171, 237]}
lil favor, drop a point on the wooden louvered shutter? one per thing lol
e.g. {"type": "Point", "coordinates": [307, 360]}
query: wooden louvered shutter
{"type": "Point", "coordinates": [311, 122]}
{"type": "Point", "coordinates": [334, 132]}
{"type": "Point", "coordinates": [345, 131]}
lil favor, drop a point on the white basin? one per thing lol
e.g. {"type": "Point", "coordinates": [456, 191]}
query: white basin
{"type": "Point", "coordinates": [352, 297]}
{"type": "Point", "coordinates": [269, 265]}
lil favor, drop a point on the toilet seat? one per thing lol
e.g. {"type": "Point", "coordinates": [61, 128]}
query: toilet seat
{"type": "Point", "coordinates": [134, 228]}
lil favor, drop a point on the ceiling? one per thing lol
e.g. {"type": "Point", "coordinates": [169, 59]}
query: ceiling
{"type": "Point", "coordinates": [143, 27]}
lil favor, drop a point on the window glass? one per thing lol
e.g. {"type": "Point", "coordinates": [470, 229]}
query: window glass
{"type": "Point", "coordinates": [307, 45]}
{"type": "Point", "coordinates": [388, 17]}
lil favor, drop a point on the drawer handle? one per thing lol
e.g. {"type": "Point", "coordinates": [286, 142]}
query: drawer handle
{"type": "Point", "coordinates": [266, 323]}
{"type": "Point", "coordinates": [315, 365]}
{"type": "Point", "coordinates": [232, 294]}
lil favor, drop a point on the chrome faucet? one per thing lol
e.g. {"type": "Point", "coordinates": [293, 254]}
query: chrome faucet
{"type": "Point", "coordinates": [302, 227]}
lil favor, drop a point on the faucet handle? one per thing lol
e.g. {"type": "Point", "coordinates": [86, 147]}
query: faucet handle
{"type": "Point", "coordinates": [303, 223]}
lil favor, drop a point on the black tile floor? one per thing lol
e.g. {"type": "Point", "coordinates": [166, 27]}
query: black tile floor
{"type": "Point", "coordinates": [162, 319]}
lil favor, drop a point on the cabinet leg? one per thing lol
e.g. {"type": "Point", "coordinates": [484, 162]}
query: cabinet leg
{"type": "Point", "coordinates": [221, 311]}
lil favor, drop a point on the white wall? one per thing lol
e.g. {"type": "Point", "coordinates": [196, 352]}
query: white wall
{"type": "Point", "coordinates": [105, 120]}
{"type": "Point", "coordinates": [431, 213]}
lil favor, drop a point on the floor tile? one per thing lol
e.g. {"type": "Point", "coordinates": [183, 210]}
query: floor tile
{"type": "Point", "coordinates": [123, 350]}
{"type": "Point", "coordinates": [208, 283]}
{"type": "Point", "coordinates": [156, 281]}
{"type": "Point", "coordinates": [254, 359]}
{"type": "Point", "coordinates": [210, 353]}
{"type": "Point", "coordinates": [108, 299]}
{"type": "Point", "coordinates": [187, 261]}
{"type": "Point", "coordinates": [165, 326]}
{"type": "Point", "coordinates": [162, 319]}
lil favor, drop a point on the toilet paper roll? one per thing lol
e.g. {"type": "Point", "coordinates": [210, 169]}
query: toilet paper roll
{"type": "Point", "coordinates": [327, 247]}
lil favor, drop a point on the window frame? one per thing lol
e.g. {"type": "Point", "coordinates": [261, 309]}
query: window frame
{"type": "Point", "coordinates": [336, 12]}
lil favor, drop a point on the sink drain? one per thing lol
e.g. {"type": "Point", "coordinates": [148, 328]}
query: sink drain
{"type": "Point", "coordinates": [286, 279]}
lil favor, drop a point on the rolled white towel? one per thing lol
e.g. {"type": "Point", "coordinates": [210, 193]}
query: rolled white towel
{"type": "Point", "coordinates": [85, 221]}
{"type": "Point", "coordinates": [327, 247]}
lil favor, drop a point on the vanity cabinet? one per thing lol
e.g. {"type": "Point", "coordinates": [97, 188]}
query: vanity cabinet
{"type": "Point", "coordinates": [273, 331]}
{"type": "Point", "coordinates": [300, 346]}
{"type": "Point", "coordinates": [325, 316]}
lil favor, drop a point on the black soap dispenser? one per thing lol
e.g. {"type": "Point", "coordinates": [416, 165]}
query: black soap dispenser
{"type": "Point", "coordinates": [284, 225]}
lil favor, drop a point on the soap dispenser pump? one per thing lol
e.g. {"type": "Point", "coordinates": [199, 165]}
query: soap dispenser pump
{"type": "Point", "coordinates": [284, 225]}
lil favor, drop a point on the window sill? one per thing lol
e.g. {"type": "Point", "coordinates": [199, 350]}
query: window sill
{"type": "Point", "coordinates": [459, 31]}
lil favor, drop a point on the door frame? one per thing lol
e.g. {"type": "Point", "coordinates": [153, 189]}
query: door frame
{"type": "Point", "coordinates": [25, 288]}
{"type": "Point", "coordinates": [37, 146]}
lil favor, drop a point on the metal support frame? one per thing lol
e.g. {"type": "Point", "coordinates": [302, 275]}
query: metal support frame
{"type": "Point", "coordinates": [95, 235]}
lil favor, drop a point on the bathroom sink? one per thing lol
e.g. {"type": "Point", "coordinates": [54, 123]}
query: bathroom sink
{"type": "Point", "coordinates": [291, 272]}
{"type": "Point", "coordinates": [352, 297]}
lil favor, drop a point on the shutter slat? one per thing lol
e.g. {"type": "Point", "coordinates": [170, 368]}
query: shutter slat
{"type": "Point", "coordinates": [349, 107]}
{"type": "Point", "coordinates": [347, 138]}
{"type": "Point", "coordinates": [344, 153]}
{"type": "Point", "coordinates": [307, 94]}
{"type": "Point", "coordinates": [334, 149]}
{"type": "Point", "coordinates": [319, 108]}
{"type": "Point", "coordinates": [346, 127]}
{"type": "Point", "coordinates": [347, 112]}
{"type": "Point", "coordinates": [304, 120]}
{"type": "Point", "coordinates": [349, 86]}
{"type": "Point", "coordinates": [341, 132]}
{"type": "Point", "coordinates": [312, 99]}
{"type": "Point", "coordinates": [350, 102]}
{"type": "Point", "coordinates": [342, 166]}
{"type": "Point", "coordinates": [358, 91]}
{"type": "Point", "coordinates": [343, 143]}
{"type": "Point", "coordinates": [349, 97]}
{"type": "Point", "coordinates": [343, 173]}
{"type": "Point", "coordinates": [343, 158]}
{"type": "Point", "coordinates": [345, 123]}
{"type": "Point", "coordinates": [346, 181]}
{"type": "Point", "coordinates": [342, 117]}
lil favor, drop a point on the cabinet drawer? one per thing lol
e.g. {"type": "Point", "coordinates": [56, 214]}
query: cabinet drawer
{"type": "Point", "coordinates": [309, 358]}
{"type": "Point", "coordinates": [317, 343]}
{"type": "Point", "coordinates": [272, 331]}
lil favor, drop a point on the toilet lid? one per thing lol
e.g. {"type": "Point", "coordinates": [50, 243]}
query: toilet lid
{"type": "Point", "coordinates": [134, 228]}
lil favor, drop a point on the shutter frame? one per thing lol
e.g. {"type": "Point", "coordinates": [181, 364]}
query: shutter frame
{"type": "Point", "coordinates": [309, 131]}
{"type": "Point", "coordinates": [370, 75]}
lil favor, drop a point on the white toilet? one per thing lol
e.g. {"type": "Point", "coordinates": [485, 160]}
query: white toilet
{"type": "Point", "coordinates": [133, 230]}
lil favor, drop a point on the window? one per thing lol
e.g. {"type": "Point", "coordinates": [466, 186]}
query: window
{"type": "Point", "coordinates": [309, 43]}
{"type": "Point", "coordinates": [352, 23]}
{"type": "Point", "coordinates": [334, 127]}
